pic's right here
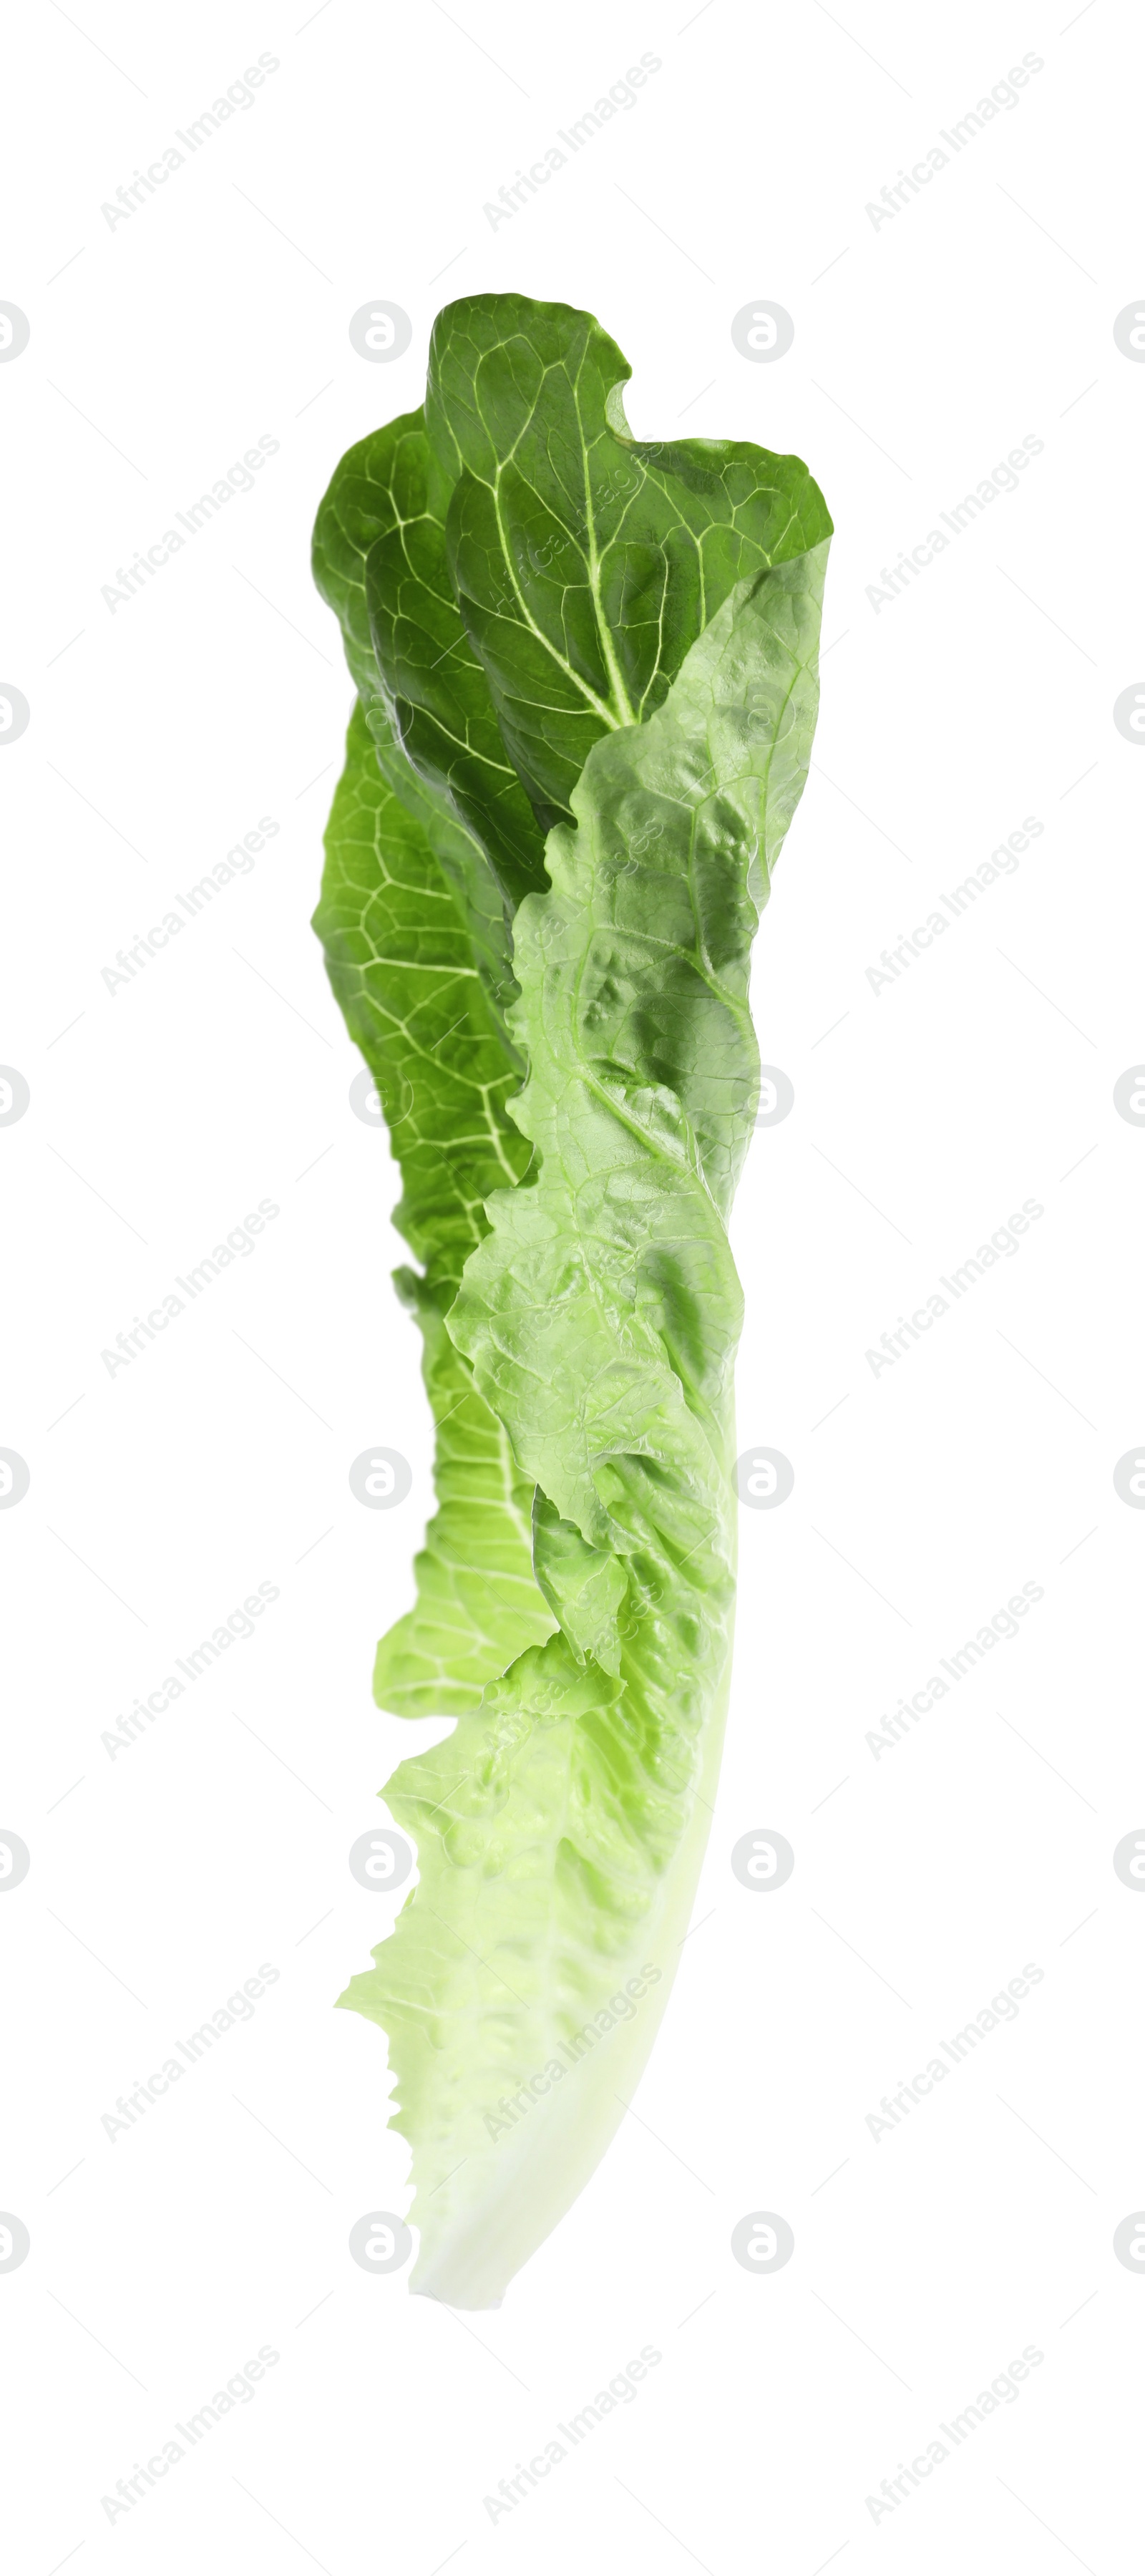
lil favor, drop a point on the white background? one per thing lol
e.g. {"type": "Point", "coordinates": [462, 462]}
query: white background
{"type": "Point", "coordinates": [926, 1877]}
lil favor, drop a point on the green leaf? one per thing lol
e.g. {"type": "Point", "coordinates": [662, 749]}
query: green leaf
{"type": "Point", "coordinates": [359, 506]}
{"type": "Point", "coordinates": [586, 562]}
{"type": "Point", "coordinates": [553, 624]}
{"type": "Point", "coordinates": [423, 693]}
{"type": "Point", "coordinates": [442, 708]}
{"type": "Point", "coordinates": [560, 1829]}
{"type": "Point", "coordinates": [403, 971]}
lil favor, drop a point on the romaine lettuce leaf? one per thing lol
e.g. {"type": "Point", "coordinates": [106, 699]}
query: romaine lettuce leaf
{"type": "Point", "coordinates": [404, 975]}
{"type": "Point", "coordinates": [585, 561]}
{"type": "Point", "coordinates": [558, 630]}
{"type": "Point", "coordinates": [559, 1831]}
{"type": "Point", "coordinates": [421, 688]}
